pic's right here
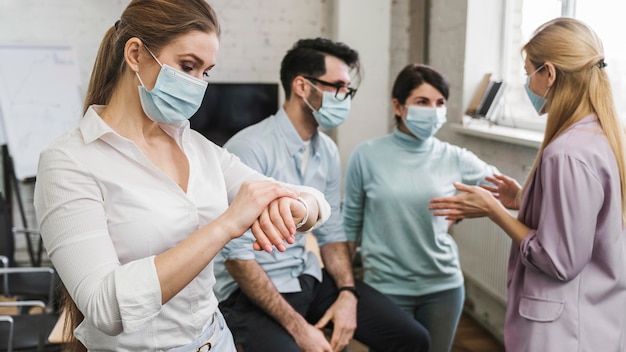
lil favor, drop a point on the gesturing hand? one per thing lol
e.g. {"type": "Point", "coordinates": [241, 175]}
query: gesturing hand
{"type": "Point", "coordinates": [506, 189]}
{"type": "Point", "coordinates": [474, 202]}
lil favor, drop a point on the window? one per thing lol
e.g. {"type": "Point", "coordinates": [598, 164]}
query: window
{"type": "Point", "coordinates": [524, 17]}
{"type": "Point", "coordinates": [606, 18]}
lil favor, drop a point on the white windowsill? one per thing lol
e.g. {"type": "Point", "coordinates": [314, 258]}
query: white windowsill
{"type": "Point", "coordinates": [484, 129]}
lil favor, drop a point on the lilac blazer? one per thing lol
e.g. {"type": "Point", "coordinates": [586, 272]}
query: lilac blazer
{"type": "Point", "coordinates": [567, 279]}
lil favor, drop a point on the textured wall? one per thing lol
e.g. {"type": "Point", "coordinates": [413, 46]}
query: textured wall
{"type": "Point", "coordinates": [80, 24]}
{"type": "Point", "coordinates": [256, 35]}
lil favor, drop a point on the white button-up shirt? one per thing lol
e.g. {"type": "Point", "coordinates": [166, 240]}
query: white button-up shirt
{"type": "Point", "coordinates": [105, 211]}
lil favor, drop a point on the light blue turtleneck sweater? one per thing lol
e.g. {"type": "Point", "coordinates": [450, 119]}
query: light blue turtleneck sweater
{"type": "Point", "coordinates": [389, 182]}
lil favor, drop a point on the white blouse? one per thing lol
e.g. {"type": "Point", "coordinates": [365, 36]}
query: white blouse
{"type": "Point", "coordinates": [105, 211]}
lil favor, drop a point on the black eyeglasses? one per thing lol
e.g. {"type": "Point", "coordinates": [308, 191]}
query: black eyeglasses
{"type": "Point", "coordinates": [342, 92]}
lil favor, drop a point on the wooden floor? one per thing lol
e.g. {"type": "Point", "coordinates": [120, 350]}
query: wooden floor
{"type": "Point", "coordinates": [470, 337]}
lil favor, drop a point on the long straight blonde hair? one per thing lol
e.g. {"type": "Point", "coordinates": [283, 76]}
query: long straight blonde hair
{"type": "Point", "coordinates": [581, 85]}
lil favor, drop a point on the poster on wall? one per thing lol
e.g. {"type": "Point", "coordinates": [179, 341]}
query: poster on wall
{"type": "Point", "coordinates": [39, 101]}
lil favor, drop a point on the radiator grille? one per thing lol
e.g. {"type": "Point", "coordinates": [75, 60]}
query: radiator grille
{"type": "Point", "coordinates": [484, 252]}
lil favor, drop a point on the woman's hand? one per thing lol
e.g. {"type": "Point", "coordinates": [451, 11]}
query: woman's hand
{"type": "Point", "coordinates": [506, 190]}
{"type": "Point", "coordinates": [279, 220]}
{"type": "Point", "coordinates": [474, 202]}
{"type": "Point", "coordinates": [264, 206]}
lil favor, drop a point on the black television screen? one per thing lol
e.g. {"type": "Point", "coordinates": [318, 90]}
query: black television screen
{"type": "Point", "coordinates": [230, 107]}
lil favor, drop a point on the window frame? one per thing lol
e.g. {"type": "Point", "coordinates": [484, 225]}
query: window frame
{"type": "Point", "coordinates": [514, 16]}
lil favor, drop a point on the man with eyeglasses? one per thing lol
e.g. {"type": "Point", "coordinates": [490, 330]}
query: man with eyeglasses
{"type": "Point", "coordinates": [281, 301]}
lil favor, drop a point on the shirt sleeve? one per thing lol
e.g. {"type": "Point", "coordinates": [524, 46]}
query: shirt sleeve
{"type": "Point", "coordinates": [332, 231]}
{"type": "Point", "coordinates": [73, 225]}
{"type": "Point", "coordinates": [473, 169]}
{"type": "Point", "coordinates": [354, 199]}
{"type": "Point", "coordinates": [240, 166]}
{"type": "Point", "coordinates": [572, 197]}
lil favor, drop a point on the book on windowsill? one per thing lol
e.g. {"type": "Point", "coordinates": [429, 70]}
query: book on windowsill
{"type": "Point", "coordinates": [478, 95]}
{"type": "Point", "coordinates": [486, 98]}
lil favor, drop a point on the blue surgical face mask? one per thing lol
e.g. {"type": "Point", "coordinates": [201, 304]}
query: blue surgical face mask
{"type": "Point", "coordinates": [425, 121]}
{"type": "Point", "coordinates": [175, 97]}
{"type": "Point", "coordinates": [333, 111]}
{"type": "Point", "coordinates": [538, 101]}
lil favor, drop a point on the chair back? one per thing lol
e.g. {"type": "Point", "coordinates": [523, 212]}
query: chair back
{"type": "Point", "coordinates": [7, 238]}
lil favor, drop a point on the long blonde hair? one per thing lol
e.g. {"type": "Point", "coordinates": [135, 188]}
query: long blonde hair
{"type": "Point", "coordinates": [581, 85]}
{"type": "Point", "coordinates": [156, 23]}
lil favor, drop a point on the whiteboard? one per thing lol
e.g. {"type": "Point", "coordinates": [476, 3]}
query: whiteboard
{"type": "Point", "coordinates": [39, 101]}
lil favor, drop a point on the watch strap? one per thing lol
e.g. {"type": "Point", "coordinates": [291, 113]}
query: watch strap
{"type": "Point", "coordinates": [352, 289]}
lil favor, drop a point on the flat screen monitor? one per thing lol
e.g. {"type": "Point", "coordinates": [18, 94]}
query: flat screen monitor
{"type": "Point", "coordinates": [228, 108]}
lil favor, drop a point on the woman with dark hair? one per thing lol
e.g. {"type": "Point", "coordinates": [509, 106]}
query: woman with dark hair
{"type": "Point", "coordinates": [133, 205]}
{"type": "Point", "coordinates": [407, 252]}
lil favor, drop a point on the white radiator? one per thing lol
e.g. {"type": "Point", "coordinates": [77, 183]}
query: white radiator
{"type": "Point", "coordinates": [484, 252]}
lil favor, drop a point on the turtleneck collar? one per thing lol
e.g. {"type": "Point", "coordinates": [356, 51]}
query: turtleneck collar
{"type": "Point", "coordinates": [411, 143]}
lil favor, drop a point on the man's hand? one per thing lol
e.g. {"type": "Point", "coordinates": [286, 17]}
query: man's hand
{"type": "Point", "coordinates": [343, 315]}
{"type": "Point", "coordinates": [311, 339]}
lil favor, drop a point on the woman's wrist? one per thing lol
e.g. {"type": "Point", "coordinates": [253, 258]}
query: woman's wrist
{"type": "Point", "coordinates": [306, 214]}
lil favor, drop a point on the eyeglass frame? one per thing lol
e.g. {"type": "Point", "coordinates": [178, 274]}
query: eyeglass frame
{"type": "Point", "coordinates": [350, 93]}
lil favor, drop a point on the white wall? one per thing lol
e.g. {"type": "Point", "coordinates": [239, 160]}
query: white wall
{"type": "Point", "coordinates": [466, 44]}
{"type": "Point", "coordinates": [257, 34]}
{"type": "Point", "coordinates": [369, 34]}
{"type": "Point", "coordinates": [80, 24]}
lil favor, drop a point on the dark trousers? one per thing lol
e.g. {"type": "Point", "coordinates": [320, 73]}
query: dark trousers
{"type": "Point", "coordinates": [381, 325]}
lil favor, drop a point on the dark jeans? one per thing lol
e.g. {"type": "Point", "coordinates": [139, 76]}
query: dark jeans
{"type": "Point", "coordinates": [381, 325]}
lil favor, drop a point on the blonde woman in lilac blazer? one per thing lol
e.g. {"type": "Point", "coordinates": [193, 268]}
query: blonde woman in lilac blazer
{"type": "Point", "coordinates": [567, 268]}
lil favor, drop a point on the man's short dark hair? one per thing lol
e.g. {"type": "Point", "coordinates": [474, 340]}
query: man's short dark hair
{"type": "Point", "coordinates": [307, 58]}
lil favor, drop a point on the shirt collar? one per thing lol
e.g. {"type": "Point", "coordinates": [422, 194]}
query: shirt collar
{"type": "Point", "coordinates": [292, 139]}
{"type": "Point", "coordinates": [93, 127]}
{"type": "Point", "coordinates": [411, 143]}
{"type": "Point", "coordinates": [587, 119]}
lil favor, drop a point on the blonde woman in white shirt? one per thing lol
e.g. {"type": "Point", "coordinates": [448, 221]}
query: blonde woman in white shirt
{"type": "Point", "coordinates": [133, 205]}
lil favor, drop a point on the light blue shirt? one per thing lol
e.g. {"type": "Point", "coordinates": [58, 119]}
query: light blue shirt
{"type": "Point", "coordinates": [406, 250]}
{"type": "Point", "coordinates": [274, 148]}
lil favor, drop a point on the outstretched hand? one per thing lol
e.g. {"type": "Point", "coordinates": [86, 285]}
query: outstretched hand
{"type": "Point", "coordinates": [474, 202]}
{"type": "Point", "coordinates": [506, 189]}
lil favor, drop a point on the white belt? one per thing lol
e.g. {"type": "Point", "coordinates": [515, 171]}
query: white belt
{"type": "Point", "coordinates": [204, 343]}
{"type": "Point", "coordinates": [205, 347]}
